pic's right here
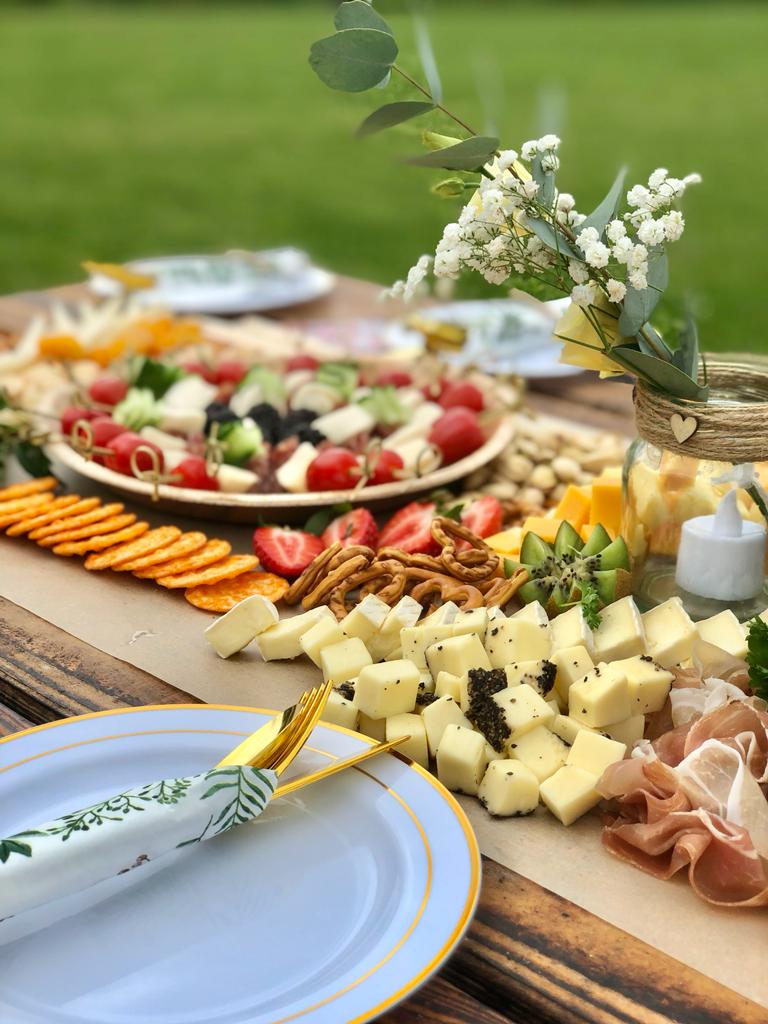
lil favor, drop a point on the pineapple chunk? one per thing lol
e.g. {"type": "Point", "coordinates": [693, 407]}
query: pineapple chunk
{"type": "Point", "coordinates": [648, 683]}
{"type": "Point", "coordinates": [620, 633]}
{"type": "Point", "coordinates": [594, 752]}
{"type": "Point", "coordinates": [569, 793]}
{"type": "Point", "coordinates": [409, 725]}
{"type": "Point", "coordinates": [283, 640]}
{"type": "Point", "coordinates": [324, 633]}
{"type": "Point", "coordinates": [457, 655]}
{"type": "Point", "coordinates": [386, 689]}
{"type": "Point", "coordinates": [366, 619]}
{"type": "Point", "coordinates": [516, 640]}
{"type": "Point", "coordinates": [344, 660]}
{"type": "Point", "coordinates": [571, 663]}
{"type": "Point", "coordinates": [523, 709]}
{"type": "Point", "coordinates": [669, 633]}
{"type": "Point", "coordinates": [437, 716]}
{"type": "Point", "coordinates": [724, 631]}
{"type": "Point", "coordinates": [340, 711]}
{"type": "Point", "coordinates": [571, 630]}
{"type": "Point", "coordinates": [461, 760]}
{"type": "Point", "coordinates": [509, 789]}
{"type": "Point", "coordinates": [538, 674]}
{"type": "Point", "coordinates": [541, 751]}
{"type": "Point", "coordinates": [601, 697]}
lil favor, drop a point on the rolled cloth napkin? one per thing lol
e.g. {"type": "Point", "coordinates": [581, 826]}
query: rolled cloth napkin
{"type": "Point", "coordinates": [114, 836]}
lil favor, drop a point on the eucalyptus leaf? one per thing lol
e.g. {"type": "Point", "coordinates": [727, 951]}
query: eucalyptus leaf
{"type": "Point", "coordinates": [353, 60]}
{"type": "Point", "coordinates": [652, 342]}
{"type": "Point", "coordinates": [686, 356]}
{"type": "Point", "coordinates": [393, 113]}
{"type": "Point", "coordinates": [468, 155]}
{"type": "Point", "coordinates": [545, 180]}
{"type": "Point", "coordinates": [662, 375]}
{"type": "Point", "coordinates": [638, 305]}
{"type": "Point", "coordinates": [427, 57]}
{"type": "Point", "coordinates": [544, 230]}
{"type": "Point", "coordinates": [605, 211]}
{"type": "Point", "coordinates": [359, 14]}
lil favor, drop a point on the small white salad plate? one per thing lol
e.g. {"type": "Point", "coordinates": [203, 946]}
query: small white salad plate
{"type": "Point", "coordinates": [227, 284]}
{"type": "Point", "coordinates": [503, 336]}
{"type": "Point", "coordinates": [334, 905]}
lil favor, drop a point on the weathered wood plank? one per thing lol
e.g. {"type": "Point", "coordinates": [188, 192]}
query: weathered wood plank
{"type": "Point", "coordinates": [440, 1002]}
{"type": "Point", "coordinates": [11, 722]}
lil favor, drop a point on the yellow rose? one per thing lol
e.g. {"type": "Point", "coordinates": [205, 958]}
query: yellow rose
{"type": "Point", "coordinates": [589, 352]}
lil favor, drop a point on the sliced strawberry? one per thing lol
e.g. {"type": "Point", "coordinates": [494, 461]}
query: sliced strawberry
{"type": "Point", "coordinates": [483, 516]}
{"type": "Point", "coordinates": [355, 527]}
{"type": "Point", "coordinates": [285, 552]}
{"type": "Point", "coordinates": [410, 529]}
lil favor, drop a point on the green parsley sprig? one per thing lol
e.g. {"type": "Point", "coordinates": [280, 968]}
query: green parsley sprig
{"type": "Point", "coordinates": [757, 656]}
{"type": "Point", "coordinates": [591, 604]}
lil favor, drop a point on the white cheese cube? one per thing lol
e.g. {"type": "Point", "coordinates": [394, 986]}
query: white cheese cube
{"type": "Point", "coordinates": [457, 655]}
{"type": "Point", "coordinates": [538, 674]}
{"type": "Point", "coordinates": [437, 716]}
{"type": "Point", "coordinates": [442, 616]}
{"type": "Point", "coordinates": [523, 709]}
{"type": "Point", "coordinates": [627, 732]}
{"type": "Point", "coordinates": [516, 640]}
{"type": "Point", "coordinates": [283, 640]}
{"type": "Point", "coordinates": [416, 639]}
{"type": "Point", "coordinates": [386, 689]}
{"type": "Point", "coordinates": [292, 475]}
{"type": "Point", "coordinates": [572, 663]}
{"type": "Point", "coordinates": [409, 725]}
{"type": "Point", "coordinates": [235, 479]}
{"type": "Point", "coordinates": [426, 682]}
{"type": "Point", "coordinates": [648, 683]}
{"type": "Point", "coordinates": [417, 427]}
{"type": "Point", "coordinates": [594, 752]}
{"type": "Point", "coordinates": [163, 440]}
{"type": "Point", "coordinates": [342, 424]}
{"type": "Point", "coordinates": [541, 751]}
{"type": "Point", "coordinates": [620, 633]}
{"type": "Point", "coordinates": [447, 683]}
{"type": "Point", "coordinates": [340, 711]}
{"type": "Point", "coordinates": [395, 654]}
{"type": "Point", "coordinates": [568, 728]}
{"type": "Point", "coordinates": [375, 728]}
{"type": "Point", "coordinates": [418, 457]}
{"type": "Point", "coordinates": [495, 614]}
{"type": "Point", "coordinates": [569, 793]}
{"type": "Point", "coordinates": [190, 392]}
{"type": "Point", "coordinates": [182, 421]}
{"type": "Point", "coordinates": [570, 629]}
{"type": "Point", "coordinates": [535, 613]}
{"type": "Point", "coordinates": [324, 633]}
{"type": "Point", "coordinates": [669, 633]}
{"type": "Point", "coordinates": [241, 624]}
{"type": "Point", "coordinates": [344, 660]}
{"type": "Point", "coordinates": [461, 759]}
{"type": "Point", "coordinates": [366, 618]}
{"type": "Point", "coordinates": [473, 621]}
{"type": "Point", "coordinates": [405, 613]}
{"type": "Point", "coordinates": [724, 631]}
{"type": "Point", "coordinates": [555, 705]}
{"type": "Point", "coordinates": [509, 789]}
{"type": "Point", "coordinates": [601, 697]}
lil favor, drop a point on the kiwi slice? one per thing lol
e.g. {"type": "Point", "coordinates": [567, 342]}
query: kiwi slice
{"type": "Point", "coordinates": [598, 539]}
{"type": "Point", "coordinates": [534, 549]}
{"type": "Point", "coordinates": [567, 540]}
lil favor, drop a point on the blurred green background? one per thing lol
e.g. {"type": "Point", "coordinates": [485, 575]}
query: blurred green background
{"type": "Point", "coordinates": [130, 130]}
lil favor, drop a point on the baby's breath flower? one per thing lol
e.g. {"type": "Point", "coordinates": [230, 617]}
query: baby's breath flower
{"type": "Point", "coordinates": [597, 254]}
{"type": "Point", "coordinates": [657, 177]}
{"type": "Point", "coordinates": [673, 225]}
{"type": "Point", "coordinates": [549, 162]}
{"type": "Point", "coordinates": [586, 238]}
{"type": "Point", "coordinates": [616, 289]}
{"type": "Point", "coordinates": [576, 219]}
{"type": "Point", "coordinates": [583, 294]}
{"type": "Point", "coordinates": [530, 149]}
{"type": "Point", "coordinates": [622, 250]}
{"type": "Point", "coordinates": [530, 188]}
{"type": "Point", "coordinates": [548, 142]}
{"type": "Point", "coordinates": [506, 158]}
{"type": "Point", "coordinates": [638, 280]}
{"type": "Point", "coordinates": [565, 202]}
{"type": "Point", "coordinates": [578, 272]}
{"type": "Point", "coordinates": [651, 232]}
{"type": "Point", "coordinates": [615, 231]}
{"type": "Point", "coordinates": [416, 275]}
{"type": "Point", "coordinates": [638, 195]}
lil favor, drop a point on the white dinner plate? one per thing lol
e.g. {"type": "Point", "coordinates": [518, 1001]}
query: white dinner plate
{"type": "Point", "coordinates": [337, 903]}
{"type": "Point", "coordinates": [227, 284]}
{"type": "Point", "coordinates": [503, 336]}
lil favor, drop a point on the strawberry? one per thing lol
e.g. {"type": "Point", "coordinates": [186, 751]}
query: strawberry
{"type": "Point", "coordinates": [483, 516]}
{"type": "Point", "coordinates": [285, 552]}
{"type": "Point", "coordinates": [410, 529]}
{"type": "Point", "coordinates": [355, 527]}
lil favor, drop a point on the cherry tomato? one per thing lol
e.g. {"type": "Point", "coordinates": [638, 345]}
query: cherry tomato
{"type": "Point", "coordinates": [121, 449]}
{"type": "Point", "coordinates": [73, 413]}
{"type": "Point", "coordinates": [335, 469]}
{"type": "Point", "coordinates": [230, 371]}
{"type": "Point", "coordinates": [457, 433]}
{"type": "Point", "coordinates": [301, 362]}
{"type": "Point", "coordinates": [462, 393]}
{"type": "Point", "coordinates": [194, 473]}
{"type": "Point", "coordinates": [108, 390]}
{"type": "Point", "coordinates": [394, 379]}
{"type": "Point", "coordinates": [202, 370]}
{"type": "Point", "coordinates": [385, 467]}
{"type": "Point", "coordinates": [104, 430]}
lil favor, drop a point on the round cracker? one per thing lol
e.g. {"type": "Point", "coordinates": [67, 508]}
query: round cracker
{"type": "Point", "coordinates": [223, 570]}
{"type": "Point", "coordinates": [148, 542]}
{"type": "Point", "coordinates": [10, 516]}
{"type": "Point", "coordinates": [185, 545]}
{"type": "Point", "coordinates": [212, 552]}
{"type": "Point", "coordinates": [42, 483]}
{"type": "Point", "coordinates": [8, 508]}
{"type": "Point", "coordinates": [69, 505]}
{"type": "Point", "coordinates": [104, 526]}
{"type": "Point", "coordinates": [96, 515]}
{"type": "Point", "coordinates": [222, 597]}
{"type": "Point", "coordinates": [101, 542]}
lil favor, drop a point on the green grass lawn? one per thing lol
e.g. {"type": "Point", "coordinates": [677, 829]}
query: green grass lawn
{"type": "Point", "coordinates": [128, 131]}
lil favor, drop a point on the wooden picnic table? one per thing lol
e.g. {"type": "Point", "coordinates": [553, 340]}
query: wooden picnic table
{"type": "Point", "coordinates": [530, 956]}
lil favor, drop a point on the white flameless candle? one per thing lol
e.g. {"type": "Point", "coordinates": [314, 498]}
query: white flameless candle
{"type": "Point", "coordinates": [722, 556]}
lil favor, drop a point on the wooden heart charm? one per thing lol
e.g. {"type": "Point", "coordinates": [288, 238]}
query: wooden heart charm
{"type": "Point", "coordinates": [683, 428]}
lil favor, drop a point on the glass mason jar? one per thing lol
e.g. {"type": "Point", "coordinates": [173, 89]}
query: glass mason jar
{"type": "Point", "coordinates": [668, 482]}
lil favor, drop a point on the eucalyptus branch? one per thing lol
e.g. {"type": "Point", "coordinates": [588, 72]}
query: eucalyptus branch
{"type": "Point", "coordinates": [430, 97]}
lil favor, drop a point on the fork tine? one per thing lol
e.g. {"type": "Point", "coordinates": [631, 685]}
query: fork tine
{"type": "Point", "coordinates": [292, 738]}
{"type": "Point", "coordinates": [309, 722]}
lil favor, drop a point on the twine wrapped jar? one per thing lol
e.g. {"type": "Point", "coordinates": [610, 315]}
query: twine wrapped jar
{"type": "Point", "coordinates": [671, 470]}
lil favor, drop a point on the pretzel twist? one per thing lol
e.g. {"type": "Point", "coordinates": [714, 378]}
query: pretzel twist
{"type": "Point", "coordinates": [333, 578]}
{"type": "Point", "coordinates": [448, 589]}
{"type": "Point", "coordinates": [499, 592]}
{"type": "Point", "coordinates": [327, 561]}
{"type": "Point", "coordinates": [388, 578]}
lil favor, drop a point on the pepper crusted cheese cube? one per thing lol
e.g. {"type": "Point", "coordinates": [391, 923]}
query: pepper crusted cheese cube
{"type": "Point", "coordinates": [461, 759]}
{"type": "Point", "coordinates": [324, 633]}
{"type": "Point", "coordinates": [669, 633]}
{"type": "Point", "coordinates": [374, 728]}
{"type": "Point", "coordinates": [457, 655]}
{"type": "Point", "coordinates": [448, 683]}
{"type": "Point", "coordinates": [541, 751]}
{"type": "Point", "coordinates": [365, 619]}
{"type": "Point", "coordinates": [571, 663]}
{"type": "Point", "coordinates": [442, 616]}
{"type": "Point", "coordinates": [409, 725]}
{"type": "Point", "coordinates": [571, 630]}
{"type": "Point", "coordinates": [523, 709]}
{"type": "Point", "coordinates": [516, 640]}
{"type": "Point", "coordinates": [437, 716]}
{"type": "Point", "coordinates": [724, 631]}
{"type": "Point", "coordinates": [405, 613]}
{"type": "Point", "coordinates": [386, 689]}
{"type": "Point", "coordinates": [569, 793]}
{"type": "Point", "coordinates": [601, 697]}
{"type": "Point", "coordinates": [509, 789]}
{"type": "Point", "coordinates": [416, 639]}
{"type": "Point", "coordinates": [627, 732]}
{"type": "Point", "coordinates": [568, 728]}
{"type": "Point", "coordinates": [283, 639]}
{"type": "Point", "coordinates": [538, 674]}
{"type": "Point", "coordinates": [473, 621]}
{"type": "Point", "coordinates": [594, 752]}
{"type": "Point", "coordinates": [340, 711]}
{"type": "Point", "coordinates": [344, 660]}
{"type": "Point", "coordinates": [648, 683]}
{"type": "Point", "coordinates": [241, 624]}
{"type": "Point", "coordinates": [620, 633]}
